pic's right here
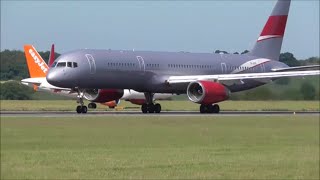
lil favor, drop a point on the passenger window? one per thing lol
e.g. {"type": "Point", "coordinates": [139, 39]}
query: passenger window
{"type": "Point", "coordinates": [61, 64]}
{"type": "Point", "coordinates": [69, 64]}
{"type": "Point", "coordinates": [75, 64]}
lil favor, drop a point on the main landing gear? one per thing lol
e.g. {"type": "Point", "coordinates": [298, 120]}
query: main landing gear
{"type": "Point", "coordinates": [150, 107]}
{"type": "Point", "coordinates": [92, 105]}
{"type": "Point", "coordinates": [209, 108]}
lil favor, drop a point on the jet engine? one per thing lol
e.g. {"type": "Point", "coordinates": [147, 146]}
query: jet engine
{"type": "Point", "coordinates": [137, 101]}
{"type": "Point", "coordinates": [102, 95]}
{"type": "Point", "coordinates": [111, 104]}
{"type": "Point", "coordinates": [207, 92]}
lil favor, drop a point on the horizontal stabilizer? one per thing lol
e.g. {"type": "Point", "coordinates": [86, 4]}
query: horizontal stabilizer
{"type": "Point", "coordinates": [34, 81]}
{"type": "Point", "coordinates": [42, 82]}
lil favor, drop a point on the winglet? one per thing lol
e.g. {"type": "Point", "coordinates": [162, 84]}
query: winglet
{"type": "Point", "coordinates": [51, 57]}
{"type": "Point", "coordinates": [36, 65]}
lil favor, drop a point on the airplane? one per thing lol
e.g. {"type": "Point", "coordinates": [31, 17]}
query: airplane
{"type": "Point", "coordinates": [206, 78]}
{"type": "Point", "coordinates": [38, 69]}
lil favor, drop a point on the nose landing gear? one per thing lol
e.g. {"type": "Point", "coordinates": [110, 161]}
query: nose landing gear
{"type": "Point", "coordinates": [81, 108]}
{"type": "Point", "coordinates": [150, 107]}
{"type": "Point", "coordinates": [209, 108]}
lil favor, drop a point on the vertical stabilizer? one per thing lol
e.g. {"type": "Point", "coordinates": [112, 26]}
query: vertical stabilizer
{"type": "Point", "coordinates": [270, 40]}
{"type": "Point", "coordinates": [36, 65]}
{"type": "Point", "coordinates": [51, 57]}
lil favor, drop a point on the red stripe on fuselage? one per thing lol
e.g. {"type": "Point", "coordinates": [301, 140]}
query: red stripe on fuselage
{"type": "Point", "coordinates": [275, 25]}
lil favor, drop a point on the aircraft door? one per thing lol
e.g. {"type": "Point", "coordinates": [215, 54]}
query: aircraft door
{"type": "Point", "coordinates": [92, 63]}
{"type": "Point", "coordinates": [141, 63]}
{"type": "Point", "coordinates": [223, 68]}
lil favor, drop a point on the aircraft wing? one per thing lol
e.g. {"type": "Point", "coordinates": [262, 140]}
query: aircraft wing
{"type": "Point", "coordinates": [299, 68]}
{"type": "Point", "coordinates": [224, 78]}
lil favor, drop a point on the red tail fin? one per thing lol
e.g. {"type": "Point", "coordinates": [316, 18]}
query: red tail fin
{"type": "Point", "coordinates": [51, 57]}
{"type": "Point", "coordinates": [269, 42]}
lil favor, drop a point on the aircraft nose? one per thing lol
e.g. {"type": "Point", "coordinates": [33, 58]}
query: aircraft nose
{"type": "Point", "coordinates": [52, 78]}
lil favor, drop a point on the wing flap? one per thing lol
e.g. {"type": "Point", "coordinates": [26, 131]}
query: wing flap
{"type": "Point", "coordinates": [299, 68]}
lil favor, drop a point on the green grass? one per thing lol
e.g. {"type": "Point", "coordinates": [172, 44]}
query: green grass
{"type": "Point", "coordinates": [70, 105]}
{"type": "Point", "coordinates": [160, 147]}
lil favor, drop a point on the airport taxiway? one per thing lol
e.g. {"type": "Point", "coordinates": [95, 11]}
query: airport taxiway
{"type": "Point", "coordinates": [164, 113]}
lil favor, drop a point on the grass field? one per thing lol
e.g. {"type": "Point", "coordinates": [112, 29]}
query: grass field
{"type": "Point", "coordinates": [70, 105]}
{"type": "Point", "coordinates": [284, 147]}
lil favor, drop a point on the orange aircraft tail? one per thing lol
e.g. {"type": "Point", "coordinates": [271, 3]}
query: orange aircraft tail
{"type": "Point", "coordinates": [36, 65]}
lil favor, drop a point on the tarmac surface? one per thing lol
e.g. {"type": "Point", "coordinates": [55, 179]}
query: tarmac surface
{"type": "Point", "coordinates": [138, 113]}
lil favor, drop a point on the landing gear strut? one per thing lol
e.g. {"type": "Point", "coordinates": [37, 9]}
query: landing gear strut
{"type": "Point", "coordinates": [150, 107]}
{"type": "Point", "coordinates": [81, 108]}
{"type": "Point", "coordinates": [209, 108]}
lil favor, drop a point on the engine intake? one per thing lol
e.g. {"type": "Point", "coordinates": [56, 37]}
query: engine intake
{"type": "Point", "coordinates": [103, 95]}
{"type": "Point", "coordinates": [207, 92]}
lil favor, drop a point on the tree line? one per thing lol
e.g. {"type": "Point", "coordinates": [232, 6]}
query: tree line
{"type": "Point", "coordinates": [14, 67]}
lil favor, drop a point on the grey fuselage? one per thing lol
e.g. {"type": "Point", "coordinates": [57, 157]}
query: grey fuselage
{"type": "Point", "coordinates": [147, 71]}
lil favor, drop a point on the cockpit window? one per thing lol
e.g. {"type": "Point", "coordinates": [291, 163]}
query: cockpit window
{"type": "Point", "coordinates": [75, 64]}
{"type": "Point", "coordinates": [69, 64]}
{"type": "Point", "coordinates": [61, 64]}
{"type": "Point", "coordinates": [54, 64]}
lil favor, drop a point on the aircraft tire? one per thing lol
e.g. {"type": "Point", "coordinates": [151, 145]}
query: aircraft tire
{"type": "Point", "coordinates": [210, 109]}
{"type": "Point", "coordinates": [79, 109]}
{"type": "Point", "coordinates": [216, 108]}
{"type": "Point", "coordinates": [203, 108]}
{"type": "Point", "coordinates": [84, 109]}
{"type": "Point", "coordinates": [144, 108]}
{"type": "Point", "coordinates": [157, 108]}
{"type": "Point", "coordinates": [151, 108]}
{"type": "Point", "coordinates": [92, 105]}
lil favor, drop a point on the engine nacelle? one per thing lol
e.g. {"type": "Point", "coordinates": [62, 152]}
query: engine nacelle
{"type": "Point", "coordinates": [111, 104]}
{"type": "Point", "coordinates": [138, 101]}
{"type": "Point", "coordinates": [102, 95]}
{"type": "Point", "coordinates": [207, 92]}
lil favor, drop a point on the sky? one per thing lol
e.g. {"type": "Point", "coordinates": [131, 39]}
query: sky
{"type": "Point", "coordinates": [193, 26]}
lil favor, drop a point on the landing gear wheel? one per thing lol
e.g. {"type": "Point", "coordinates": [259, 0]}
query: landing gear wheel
{"type": "Point", "coordinates": [92, 105]}
{"type": "Point", "coordinates": [216, 108]}
{"type": "Point", "coordinates": [144, 108]}
{"type": "Point", "coordinates": [210, 109]}
{"type": "Point", "coordinates": [157, 108]}
{"type": "Point", "coordinates": [84, 109]}
{"type": "Point", "coordinates": [151, 108]}
{"type": "Point", "coordinates": [203, 108]}
{"type": "Point", "coordinates": [79, 109]}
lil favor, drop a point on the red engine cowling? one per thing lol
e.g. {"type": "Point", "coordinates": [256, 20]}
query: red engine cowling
{"type": "Point", "coordinates": [137, 101]}
{"type": "Point", "coordinates": [102, 95]}
{"type": "Point", "coordinates": [111, 104]}
{"type": "Point", "coordinates": [207, 92]}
